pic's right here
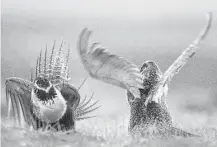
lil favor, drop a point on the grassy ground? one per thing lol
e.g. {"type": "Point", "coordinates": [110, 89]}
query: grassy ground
{"type": "Point", "coordinates": [109, 129]}
{"type": "Point", "coordinates": [99, 132]}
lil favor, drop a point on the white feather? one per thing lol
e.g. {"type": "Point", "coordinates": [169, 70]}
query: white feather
{"type": "Point", "coordinates": [47, 89]}
{"type": "Point", "coordinates": [52, 110]}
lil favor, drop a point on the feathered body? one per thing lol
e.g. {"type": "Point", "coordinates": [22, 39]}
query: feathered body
{"type": "Point", "coordinates": [154, 117]}
{"type": "Point", "coordinates": [146, 87]}
{"type": "Point", "coordinates": [48, 100]}
{"type": "Point", "coordinates": [142, 115]}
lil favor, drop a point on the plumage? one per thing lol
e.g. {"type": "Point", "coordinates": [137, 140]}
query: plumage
{"type": "Point", "coordinates": [146, 87]}
{"type": "Point", "coordinates": [48, 101]}
{"type": "Point", "coordinates": [156, 113]}
{"type": "Point", "coordinates": [108, 67]}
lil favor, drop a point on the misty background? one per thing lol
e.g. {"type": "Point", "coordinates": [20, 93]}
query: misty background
{"type": "Point", "coordinates": [139, 30]}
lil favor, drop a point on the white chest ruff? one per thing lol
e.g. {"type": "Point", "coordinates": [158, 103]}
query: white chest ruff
{"type": "Point", "coordinates": [50, 111]}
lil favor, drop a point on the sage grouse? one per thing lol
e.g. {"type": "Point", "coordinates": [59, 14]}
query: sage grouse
{"type": "Point", "coordinates": [48, 101]}
{"type": "Point", "coordinates": [146, 86]}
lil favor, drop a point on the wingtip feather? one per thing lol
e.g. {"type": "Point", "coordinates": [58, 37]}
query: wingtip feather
{"type": "Point", "coordinates": [83, 41]}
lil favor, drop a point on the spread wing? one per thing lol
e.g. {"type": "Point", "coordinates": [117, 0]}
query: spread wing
{"type": "Point", "coordinates": [18, 98]}
{"type": "Point", "coordinates": [108, 67]}
{"type": "Point", "coordinates": [72, 96]}
{"type": "Point", "coordinates": [186, 55]}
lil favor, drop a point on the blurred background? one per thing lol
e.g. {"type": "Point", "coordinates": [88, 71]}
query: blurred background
{"type": "Point", "coordinates": [138, 29]}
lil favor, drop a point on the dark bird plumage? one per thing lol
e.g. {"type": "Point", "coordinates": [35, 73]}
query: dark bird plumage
{"type": "Point", "coordinates": [48, 101]}
{"type": "Point", "coordinates": [156, 116]}
{"type": "Point", "coordinates": [146, 86]}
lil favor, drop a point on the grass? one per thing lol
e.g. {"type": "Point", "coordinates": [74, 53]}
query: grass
{"type": "Point", "coordinates": [98, 132]}
{"type": "Point", "coordinates": [110, 128]}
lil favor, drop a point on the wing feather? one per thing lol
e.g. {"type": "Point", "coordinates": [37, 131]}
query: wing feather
{"type": "Point", "coordinates": [18, 93]}
{"type": "Point", "coordinates": [13, 109]}
{"type": "Point", "coordinates": [187, 53]}
{"type": "Point", "coordinates": [108, 67]}
{"type": "Point", "coordinates": [16, 106]}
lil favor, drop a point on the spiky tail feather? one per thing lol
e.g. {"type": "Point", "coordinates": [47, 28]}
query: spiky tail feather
{"type": "Point", "coordinates": [85, 108]}
{"type": "Point", "coordinates": [57, 68]}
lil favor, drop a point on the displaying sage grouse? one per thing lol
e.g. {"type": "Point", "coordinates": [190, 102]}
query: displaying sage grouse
{"type": "Point", "coordinates": [146, 86]}
{"type": "Point", "coordinates": [48, 101]}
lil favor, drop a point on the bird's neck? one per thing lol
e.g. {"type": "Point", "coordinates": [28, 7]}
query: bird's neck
{"type": "Point", "coordinates": [45, 95]}
{"type": "Point", "coordinates": [47, 108]}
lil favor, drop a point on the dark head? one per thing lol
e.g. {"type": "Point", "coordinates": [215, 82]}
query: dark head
{"type": "Point", "coordinates": [151, 76]}
{"type": "Point", "coordinates": [42, 82]}
{"type": "Point", "coordinates": [44, 89]}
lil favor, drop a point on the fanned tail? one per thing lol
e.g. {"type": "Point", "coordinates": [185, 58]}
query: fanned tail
{"type": "Point", "coordinates": [57, 68]}
{"type": "Point", "coordinates": [51, 64]}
